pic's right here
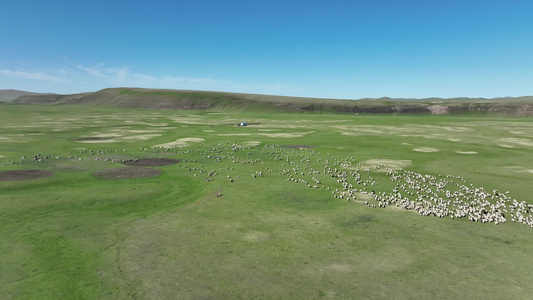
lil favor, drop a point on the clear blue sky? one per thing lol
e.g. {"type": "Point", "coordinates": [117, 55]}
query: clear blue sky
{"type": "Point", "coordinates": [329, 49]}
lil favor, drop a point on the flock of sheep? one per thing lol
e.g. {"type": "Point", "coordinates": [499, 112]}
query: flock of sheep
{"type": "Point", "coordinates": [438, 196]}
{"type": "Point", "coordinates": [372, 185]}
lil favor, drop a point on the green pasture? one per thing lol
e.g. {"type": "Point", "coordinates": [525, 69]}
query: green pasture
{"type": "Point", "coordinates": [235, 234]}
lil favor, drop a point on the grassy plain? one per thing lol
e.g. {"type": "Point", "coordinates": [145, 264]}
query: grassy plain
{"type": "Point", "coordinates": [78, 236]}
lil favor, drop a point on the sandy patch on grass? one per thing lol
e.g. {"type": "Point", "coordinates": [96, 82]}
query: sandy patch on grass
{"type": "Point", "coordinates": [183, 142]}
{"type": "Point", "coordinates": [517, 141]}
{"type": "Point", "coordinates": [465, 152]}
{"type": "Point", "coordinates": [135, 130]}
{"type": "Point", "coordinates": [64, 129]}
{"type": "Point", "coordinates": [233, 134]}
{"type": "Point", "coordinates": [407, 129]}
{"type": "Point", "coordinates": [96, 141]}
{"type": "Point", "coordinates": [289, 126]}
{"type": "Point", "coordinates": [268, 129]}
{"type": "Point", "coordinates": [391, 163]}
{"type": "Point", "coordinates": [454, 140]}
{"type": "Point", "coordinates": [12, 140]}
{"type": "Point", "coordinates": [426, 149]}
{"type": "Point", "coordinates": [146, 123]}
{"type": "Point", "coordinates": [251, 143]}
{"type": "Point", "coordinates": [104, 135]}
{"type": "Point", "coordinates": [519, 169]}
{"type": "Point", "coordinates": [363, 197]}
{"type": "Point", "coordinates": [208, 130]}
{"type": "Point", "coordinates": [286, 135]}
{"type": "Point", "coordinates": [517, 132]}
{"type": "Point", "coordinates": [141, 137]}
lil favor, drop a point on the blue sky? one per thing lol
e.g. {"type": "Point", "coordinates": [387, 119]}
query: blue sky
{"type": "Point", "coordinates": [328, 49]}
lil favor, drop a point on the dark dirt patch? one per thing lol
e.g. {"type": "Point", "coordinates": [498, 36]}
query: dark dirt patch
{"type": "Point", "coordinates": [19, 175]}
{"type": "Point", "coordinates": [151, 162]}
{"type": "Point", "coordinates": [127, 172]}
{"type": "Point", "coordinates": [299, 146]}
{"type": "Point", "coordinates": [92, 138]}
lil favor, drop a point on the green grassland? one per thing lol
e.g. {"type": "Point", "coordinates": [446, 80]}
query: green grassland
{"type": "Point", "coordinates": [234, 218]}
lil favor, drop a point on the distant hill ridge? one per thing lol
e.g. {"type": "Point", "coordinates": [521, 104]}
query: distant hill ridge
{"type": "Point", "coordinates": [220, 101]}
{"type": "Point", "coordinates": [10, 95]}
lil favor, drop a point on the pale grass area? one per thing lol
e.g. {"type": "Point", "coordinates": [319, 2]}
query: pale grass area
{"type": "Point", "coordinates": [251, 143]}
{"type": "Point", "coordinates": [98, 141]}
{"type": "Point", "coordinates": [104, 135]}
{"type": "Point", "coordinates": [271, 135]}
{"type": "Point", "coordinates": [506, 146]}
{"type": "Point", "coordinates": [134, 131]}
{"type": "Point", "coordinates": [7, 139]}
{"type": "Point", "coordinates": [408, 129]}
{"type": "Point", "coordinates": [391, 163]}
{"type": "Point", "coordinates": [233, 134]}
{"type": "Point", "coordinates": [256, 236]}
{"type": "Point", "coordinates": [183, 142]}
{"type": "Point", "coordinates": [426, 149]}
{"type": "Point", "coordinates": [465, 152]}
{"type": "Point", "coordinates": [116, 137]}
{"type": "Point", "coordinates": [286, 135]}
{"type": "Point", "coordinates": [520, 169]}
{"type": "Point", "coordinates": [66, 128]}
{"type": "Point", "coordinates": [516, 141]}
{"type": "Point", "coordinates": [146, 123]}
{"type": "Point", "coordinates": [142, 137]}
{"type": "Point", "coordinates": [290, 126]}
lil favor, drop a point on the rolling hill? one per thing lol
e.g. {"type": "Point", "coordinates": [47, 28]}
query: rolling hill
{"type": "Point", "coordinates": [10, 95]}
{"type": "Point", "coordinates": [220, 101]}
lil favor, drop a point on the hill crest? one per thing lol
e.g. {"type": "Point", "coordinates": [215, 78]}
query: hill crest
{"type": "Point", "coordinates": [221, 101]}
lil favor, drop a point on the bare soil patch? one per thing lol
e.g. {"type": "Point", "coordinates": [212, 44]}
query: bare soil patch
{"type": "Point", "coordinates": [128, 172]}
{"type": "Point", "coordinates": [19, 175]}
{"type": "Point", "coordinates": [151, 162]}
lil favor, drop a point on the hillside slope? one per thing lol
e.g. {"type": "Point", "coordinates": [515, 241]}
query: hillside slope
{"type": "Point", "coordinates": [10, 95]}
{"type": "Point", "coordinates": [219, 101]}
